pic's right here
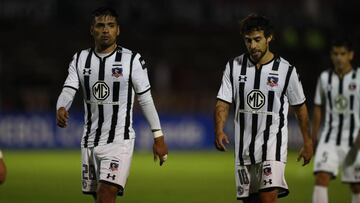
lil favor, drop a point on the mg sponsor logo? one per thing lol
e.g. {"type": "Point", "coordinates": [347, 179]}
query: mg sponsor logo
{"type": "Point", "coordinates": [256, 99]}
{"type": "Point", "coordinates": [100, 90]}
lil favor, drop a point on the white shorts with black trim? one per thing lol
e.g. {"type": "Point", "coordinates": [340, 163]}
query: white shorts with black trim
{"type": "Point", "coordinates": [329, 158]}
{"type": "Point", "coordinates": [252, 179]}
{"type": "Point", "coordinates": [108, 163]}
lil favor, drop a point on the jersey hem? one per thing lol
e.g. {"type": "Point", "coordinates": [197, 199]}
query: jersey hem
{"type": "Point", "coordinates": [223, 100]}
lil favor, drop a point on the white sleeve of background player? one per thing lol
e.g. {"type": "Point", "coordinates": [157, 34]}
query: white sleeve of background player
{"type": "Point", "coordinates": [319, 93]}
{"type": "Point", "coordinates": [139, 75]}
{"type": "Point", "coordinates": [295, 90]}
{"type": "Point", "coordinates": [70, 87]}
{"type": "Point", "coordinates": [225, 92]}
{"type": "Point", "coordinates": [147, 105]}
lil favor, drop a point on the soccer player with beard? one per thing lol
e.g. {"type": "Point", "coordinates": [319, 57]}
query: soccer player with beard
{"type": "Point", "coordinates": [261, 85]}
{"type": "Point", "coordinates": [110, 76]}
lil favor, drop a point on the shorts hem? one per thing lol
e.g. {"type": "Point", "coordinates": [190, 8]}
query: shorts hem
{"type": "Point", "coordinates": [333, 177]}
{"type": "Point", "coordinates": [285, 192]}
{"type": "Point", "coordinates": [88, 193]}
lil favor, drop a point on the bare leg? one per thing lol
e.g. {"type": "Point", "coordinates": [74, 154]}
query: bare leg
{"type": "Point", "coordinates": [106, 193]}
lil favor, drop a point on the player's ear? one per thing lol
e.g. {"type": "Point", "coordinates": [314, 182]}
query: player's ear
{"type": "Point", "coordinates": [351, 55]}
{"type": "Point", "coordinates": [92, 30]}
{"type": "Point", "coordinates": [118, 31]}
{"type": "Point", "coordinates": [269, 38]}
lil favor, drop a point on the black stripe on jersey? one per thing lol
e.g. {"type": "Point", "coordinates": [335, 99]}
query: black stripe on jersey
{"type": "Point", "coordinates": [87, 94]}
{"type": "Point", "coordinates": [231, 65]}
{"type": "Point", "coordinates": [281, 112]}
{"type": "Point", "coordinates": [76, 65]}
{"type": "Point", "coordinates": [129, 98]}
{"type": "Point", "coordinates": [270, 102]}
{"type": "Point", "coordinates": [115, 93]}
{"type": "Point", "coordinates": [341, 116]}
{"type": "Point", "coordinates": [352, 121]}
{"type": "Point", "coordinates": [268, 124]}
{"type": "Point", "coordinates": [241, 107]}
{"type": "Point", "coordinates": [101, 77]}
{"type": "Point", "coordinates": [327, 138]}
{"type": "Point", "coordinates": [143, 92]}
{"type": "Point", "coordinates": [67, 86]}
{"type": "Point", "coordinates": [254, 125]}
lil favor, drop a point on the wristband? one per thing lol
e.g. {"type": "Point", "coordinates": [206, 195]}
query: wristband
{"type": "Point", "coordinates": [1, 155]}
{"type": "Point", "coordinates": [158, 133]}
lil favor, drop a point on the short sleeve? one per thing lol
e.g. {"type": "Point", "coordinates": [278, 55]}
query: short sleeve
{"type": "Point", "coordinates": [139, 75]}
{"type": "Point", "coordinates": [295, 92]}
{"type": "Point", "coordinates": [319, 93]}
{"type": "Point", "coordinates": [225, 92]}
{"type": "Point", "coordinates": [72, 80]}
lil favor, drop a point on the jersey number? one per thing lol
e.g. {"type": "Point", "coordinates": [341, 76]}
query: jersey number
{"type": "Point", "coordinates": [88, 172]}
{"type": "Point", "coordinates": [243, 177]}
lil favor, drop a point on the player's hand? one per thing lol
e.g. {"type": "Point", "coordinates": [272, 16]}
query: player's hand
{"type": "Point", "coordinates": [220, 138]}
{"type": "Point", "coordinates": [306, 152]}
{"type": "Point", "coordinates": [62, 117]}
{"type": "Point", "coordinates": [160, 149]}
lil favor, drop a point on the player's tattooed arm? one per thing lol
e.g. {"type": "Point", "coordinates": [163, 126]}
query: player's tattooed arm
{"type": "Point", "coordinates": [220, 116]}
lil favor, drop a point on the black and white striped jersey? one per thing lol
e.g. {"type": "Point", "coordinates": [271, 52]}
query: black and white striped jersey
{"type": "Point", "coordinates": [341, 98]}
{"type": "Point", "coordinates": [109, 84]}
{"type": "Point", "coordinates": [261, 97]}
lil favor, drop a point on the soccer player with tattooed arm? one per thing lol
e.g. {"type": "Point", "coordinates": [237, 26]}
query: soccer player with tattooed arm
{"type": "Point", "coordinates": [109, 76]}
{"type": "Point", "coordinates": [260, 85]}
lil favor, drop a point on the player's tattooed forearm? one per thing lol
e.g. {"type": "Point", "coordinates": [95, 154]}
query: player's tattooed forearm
{"type": "Point", "coordinates": [221, 113]}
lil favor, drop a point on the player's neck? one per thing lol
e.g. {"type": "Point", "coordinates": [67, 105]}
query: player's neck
{"type": "Point", "coordinates": [265, 59]}
{"type": "Point", "coordinates": [105, 50]}
{"type": "Point", "coordinates": [343, 71]}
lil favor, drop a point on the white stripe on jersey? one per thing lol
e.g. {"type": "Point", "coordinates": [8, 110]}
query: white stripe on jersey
{"type": "Point", "coordinates": [262, 98]}
{"type": "Point", "coordinates": [342, 100]}
{"type": "Point", "coordinates": [109, 85]}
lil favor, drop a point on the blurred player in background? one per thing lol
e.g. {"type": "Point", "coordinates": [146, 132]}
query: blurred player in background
{"type": "Point", "coordinates": [338, 98]}
{"type": "Point", "coordinates": [109, 76]}
{"type": "Point", "coordinates": [261, 85]}
{"type": "Point", "coordinates": [2, 168]}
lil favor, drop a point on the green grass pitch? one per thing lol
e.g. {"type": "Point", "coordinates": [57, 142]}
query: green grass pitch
{"type": "Point", "coordinates": [53, 176]}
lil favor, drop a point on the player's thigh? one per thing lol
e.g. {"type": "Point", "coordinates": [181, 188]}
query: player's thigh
{"type": "Point", "coordinates": [327, 159]}
{"type": "Point", "coordinates": [114, 162]}
{"type": "Point", "coordinates": [351, 172]}
{"type": "Point", "coordinates": [272, 179]}
{"type": "Point", "coordinates": [323, 178]}
{"type": "Point", "coordinates": [268, 196]}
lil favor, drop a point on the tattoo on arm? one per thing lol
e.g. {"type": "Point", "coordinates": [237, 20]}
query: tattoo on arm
{"type": "Point", "coordinates": [221, 114]}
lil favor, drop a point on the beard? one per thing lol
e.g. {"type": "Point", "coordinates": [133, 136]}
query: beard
{"type": "Point", "coordinates": [256, 55]}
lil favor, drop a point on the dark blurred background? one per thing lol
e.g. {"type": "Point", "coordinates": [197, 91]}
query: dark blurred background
{"type": "Point", "coordinates": [186, 44]}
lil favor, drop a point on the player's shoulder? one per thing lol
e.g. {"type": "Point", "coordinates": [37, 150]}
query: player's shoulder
{"type": "Point", "coordinates": [125, 50]}
{"type": "Point", "coordinates": [238, 59]}
{"type": "Point", "coordinates": [283, 62]}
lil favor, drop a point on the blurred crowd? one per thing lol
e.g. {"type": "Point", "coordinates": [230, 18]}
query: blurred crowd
{"type": "Point", "coordinates": [186, 44]}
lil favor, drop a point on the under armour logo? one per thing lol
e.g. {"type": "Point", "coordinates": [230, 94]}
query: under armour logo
{"type": "Point", "coordinates": [87, 71]}
{"type": "Point", "coordinates": [242, 78]}
{"type": "Point", "coordinates": [269, 181]}
{"type": "Point", "coordinates": [109, 176]}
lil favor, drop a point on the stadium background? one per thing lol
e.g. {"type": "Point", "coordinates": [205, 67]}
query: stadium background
{"type": "Point", "coordinates": [186, 45]}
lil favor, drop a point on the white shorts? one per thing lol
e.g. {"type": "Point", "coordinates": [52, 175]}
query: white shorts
{"type": "Point", "coordinates": [252, 179]}
{"type": "Point", "coordinates": [108, 163]}
{"type": "Point", "coordinates": [329, 158]}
